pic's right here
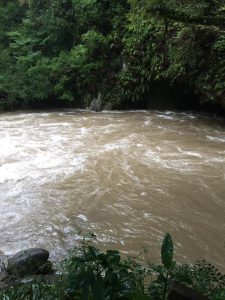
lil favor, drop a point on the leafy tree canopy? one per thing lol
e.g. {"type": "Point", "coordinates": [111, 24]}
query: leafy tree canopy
{"type": "Point", "coordinates": [67, 51]}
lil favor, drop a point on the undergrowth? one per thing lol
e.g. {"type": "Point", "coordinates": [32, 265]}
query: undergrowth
{"type": "Point", "coordinates": [91, 274]}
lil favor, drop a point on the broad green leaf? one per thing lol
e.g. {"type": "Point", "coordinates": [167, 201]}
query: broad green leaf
{"type": "Point", "coordinates": [167, 251]}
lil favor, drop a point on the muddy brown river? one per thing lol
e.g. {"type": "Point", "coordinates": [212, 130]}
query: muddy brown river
{"type": "Point", "coordinates": [129, 177]}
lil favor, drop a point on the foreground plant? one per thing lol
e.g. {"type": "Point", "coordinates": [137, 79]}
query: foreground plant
{"type": "Point", "coordinates": [202, 277]}
{"type": "Point", "coordinates": [90, 274]}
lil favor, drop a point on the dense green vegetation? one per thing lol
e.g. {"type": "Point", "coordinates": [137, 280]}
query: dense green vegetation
{"type": "Point", "coordinates": [67, 52]}
{"type": "Point", "coordinates": [90, 274]}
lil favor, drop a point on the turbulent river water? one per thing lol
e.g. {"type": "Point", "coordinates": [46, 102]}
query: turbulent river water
{"type": "Point", "coordinates": [129, 177]}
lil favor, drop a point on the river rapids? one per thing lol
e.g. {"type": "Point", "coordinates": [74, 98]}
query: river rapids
{"type": "Point", "coordinates": [129, 177]}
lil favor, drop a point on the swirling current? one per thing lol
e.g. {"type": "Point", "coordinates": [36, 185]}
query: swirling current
{"type": "Point", "coordinates": [129, 177]}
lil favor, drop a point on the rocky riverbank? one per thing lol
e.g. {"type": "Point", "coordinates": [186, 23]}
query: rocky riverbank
{"type": "Point", "coordinates": [31, 268]}
{"type": "Point", "coordinates": [32, 262]}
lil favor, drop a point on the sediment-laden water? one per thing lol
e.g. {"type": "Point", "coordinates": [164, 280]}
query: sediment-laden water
{"type": "Point", "coordinates": [129, 177]}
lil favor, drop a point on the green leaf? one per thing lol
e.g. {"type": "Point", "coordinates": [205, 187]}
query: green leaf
{"type": "Point", "coordinates": [167, 251]}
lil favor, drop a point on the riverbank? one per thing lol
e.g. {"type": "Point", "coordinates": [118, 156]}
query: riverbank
{"type": "Point", "coordinates": [89, 273]}
{"type": "Point", "coordinates": [160, 100]}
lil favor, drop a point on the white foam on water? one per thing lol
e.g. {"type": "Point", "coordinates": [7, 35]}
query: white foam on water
{"type": "Point", "coordinates": [148, 122]}
{"type": "Point", "coordinates": [143, 194]}
{"type": "Point", "coordinates": [153, 156]}
{"type": "Point", "coordinates": [83, 217]}
{"type": "Point", "coordinates": [17, 171]}
{"type": "Point", "coordinates": [168, 112]}
{"type": "Point", "coordinates": [189, 153]}
{"type": "Point", "coordinates": [216, 139]}
{"type": "Point", "coordinates": [49, 164]}
{"type": "Point", "coordinates": [47, 160]}
{"type": "Point", "coordinates": [121, 144]}
{"type": "Point", "coordinates": [166, 117]}
{"type": "Point", "coordinates": [171, 161]}
{"type": "Point", "coordinates": [214, 160]}
{"type": "Point", "coordinates": [7, 147]}
{"type": "Point", "coordinates": [9, 218]}
{"type": "Point", "coordinates": [195, 154]}
{"type": "Point", "coordinates": [111, 147]}
{"type": "Point", "coordinates": [55, 124]}
{"type": "Point", "coordinates": [79, 163]}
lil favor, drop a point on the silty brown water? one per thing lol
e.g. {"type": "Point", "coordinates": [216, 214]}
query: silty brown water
{"type": "Point", "coordinates": [127, 176]}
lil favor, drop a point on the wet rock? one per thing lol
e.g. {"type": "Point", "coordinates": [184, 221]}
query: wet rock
{"type": "Point", "coordinates": [29, 262]}
{"type": "Point", "coordinates": [96, 104]}
{"type": "Point", "coordinates": [181, 292]}
{"type": "Point", "coordinates": [3, 276]}
{"type": "Point", "coordinates": [3, 262]}
{"type": "Point", "coordinates": [47, 268]}
{"type": "Point", "coordinates": [107, 106]}
{"type": "Point", "coordinates": [3, 285]}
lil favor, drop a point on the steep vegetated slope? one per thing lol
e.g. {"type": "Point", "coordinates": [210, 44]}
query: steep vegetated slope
{"type": "Point", "coordinates": [129, 53]}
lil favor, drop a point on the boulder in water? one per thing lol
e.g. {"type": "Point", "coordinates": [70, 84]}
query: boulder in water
{"type": "Point", "coordinates": [96, 104]}
{"type": "Point", "coordinates": [29, 262]}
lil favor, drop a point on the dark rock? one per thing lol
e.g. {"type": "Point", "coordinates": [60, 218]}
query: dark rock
{"type": "Point", "coordinates": [3, 276]}
{"type": "Point", "coordinates": [3, 285]}
{"type": "Point", "coordinates": [107, 106]}
{"type": "Point", "coordinates": [29, 262]}
{"type": "Point", "coordinates": [96, 104]}
{"type": "Point", "coordinates": [47, 268]}
{"type": "Point", "coordinates": [3, 262]}
{"type": "Point", "coordinates": [181, 292]}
